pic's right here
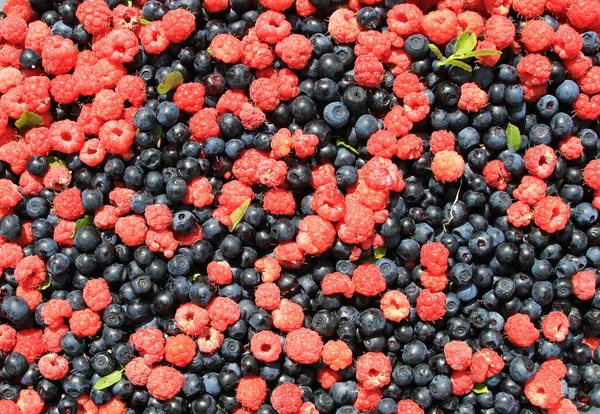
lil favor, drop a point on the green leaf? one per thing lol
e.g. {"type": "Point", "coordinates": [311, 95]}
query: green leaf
{"type": "Point", "coordinates": [108, 381]}
{"type": "Point", "coordinates": [455, 62]}
{"type": "Point", "coordinates": [513, 136]}
{"type": "Point", "coordinates": [480, 388]}
{"type": "Point", "coordinates": [238, 214]}
{"type": "Point", "coordinates": [465, 43]}
{"type": "Point", "coordinates": [380, 252]}
{"type": "Point", "coordinates": [436, 51]}
{"type": "Point", "coordinates": [194, 277]}
{"type": "Point", "coordinates": [481, 52]}
{"type": "Point", "coordinates": [129, 3]}
{"type": "Point", "coordinates": [47, 283]}
{"type": "Point", "coordinates": [52, 161]}
{"type": "Point", "coordinates": [208, 50]}
{"type": "Point", "coordinates": [29, 120]}
{"type": "Point", "coordinates": [84, 221]}
{"type": "Point", "coordinates": [144, 21]}
{"type": "Point", "coordinates": [172, 81]}
{"type": "Point", "coordinates": [349, 147]}
{"type": "Point", "coordinates": [259, 6]}
{"type": "Point", "coordinates": [369, 260]}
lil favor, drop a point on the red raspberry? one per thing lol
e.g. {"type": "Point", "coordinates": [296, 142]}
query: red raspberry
{"type": "Point", "coordinates": [288, 317]}
{"type": "Point", "coordinates": [305, 145]}
{"type": "Point", "coordinates": [131, 229]}
{"type": "Point", "coordinates": [215, 6]}
{"type": "Point", "coordinates": [199, 193]}
{"type": "Point", "coordinates": [368, 71]}
{"type": "Point", "coordinates": [470, 20]}
{"type": "Point", "coordinates": [114, 406]}
{"type": "Point", "coordinates": [537, 36]}
{"type": "Point", "coordinates": [121, 199]}
{"type": "Point", "coordinates": [108, 105]}
{"type": "Point", "coordinates": [265, 346]}
{"type": "Point", "coordinates": [245, 167]}
{"type": "Point", "coordinates": [137, 372]}
{"type": "Point", "coordinates": [381, 174]}
{"type": "Point", "coordinates": [305, 8]}
{"type": "Point", "coordinates": [10, 255]}
{"type": "Point", "coordinates": [92, 153]}
{"type": "Point", "coordinates": [441, 141]}
{"type": "Point", "coordinates": [323, 176]}
{"type": "Point", "coordinates": [590, 82]}
{"type": "Point", "coordinates": [396, 121]}
{"type": "Point", "coordinates": [9, 78]}
{"type": "Point", "coordinates": [543, 391]}
{"type": "Point", "coordinates": [368, 280]}
{"type": "Point", "coordinates": [409, 147]}
{"type": "Point", "coordinates": [406, 83]}
{"type": "Point", "coordinates": [269, 267]}
{"type": "Point", "coordinates": [30, 344]}
{"type": "Point", "coordinates": [52, 338]}
{"type": "Point", "coordinates": [30, 272]}
{"type": "Point", "coordinates": [439, 26]}
{"type": "Point", "coordinates": [394, 305]}
{"type": "Point", "coordinates": [373, 370]}
{"type": "Point", "coordinates": [36, 93]}
{"type": "Point", "coordinates": [219, 272]}
{"type": "Point", "coordinates": [564, 406]}
{"type": "Point", "coordinates": [334, 283]}
{"type": "Point", "coordinates": [190, 238]}
{"type": "Point", "coordinates": [343, 26]}
{"type": "Point", "coordinates": [500, 7]}
{"type": "Point", "coordinates": [434, 257]}
{"type": "Point", "coordinates": [119, 46]}
{"type": "Point", "coordinates": [13, 29]}
{"type": "Point", "coordinates": [272, 27]}
{"type": "Point", "coordinates": [553, 368]}
{"type": "Point", "coordinates": [153, 37]}
{"type": "Point", "coordinates": [66, 136]}
{"type": "Point", "coordinates": [551, 214]}
{"type": "Point", "coordinates": [462, 383]}
{"type": "Point", "coordinates": [13, 104]}
{"type": "Point", "coordinates": [95, 15]}
{"type": "Point", "coordinates": [164, 382]}
{"type": "Point", "coordinates": [521, 331]}
{"type": "Point", "coordinates": [458, 355]}
{"type": "Point", "coordinates": [531, 190]}
{"type": "Point", "coordinates": [88, 82]}
{"type": "Point", "coordinates": [9, 54]}
{"type": "Point", "coordinates": [408, 407]}
{"type": "Point", "coordinates": [96, 294]}
{"type": "Point", "coordinates": [367, 400]}
{"type": "Point", "coordinates": [204, 124]}
{"type": "Point", "coordinates": [496, 175]}
{"type": "Point", "coordinates": [289, 255]}
{"type": "Point", "coordinates": [8, 338]}
{"type": "Point", "coordinates": [555, 326]}
{"type": "Point", "coordinates": [150, 344]}
{"type": "Point", "coordinates": [578, 66]}
{"type": "Point", "coordinates": [277, 5]}
{"type": "Point", "coordinates": [358, 225]}
{"type": "Point", "coordinates": [373, 42]}
{"type": "Point", "coordinates": [337, 355]}
{"type": "Point", "coordinates": [162, 241]}
{"type": "Point", "coordinates": [133, 90]}
{"type": "Point", "coordinates": [558, 7]}
{"type": "Point", "coordinates": [529, 9]}
{"type": "Point", "coordinates": [37, 33]}
{"type": "Point", "coordinates": [158, 216]}
{"type": "Point", "coordinates": [382, 144]}
{"type": "Point", "coordinates": [264, 92]}
{"type": "Point", "coordinates": [267, 295]}
{"type": "Point", "coordinates": [15, 154]}
{"type": "Point", "coordinates": [251, 392]}
{"type": "Point", "coordinates": [499, 30]}
{"type": "Point", "coordinates": [316, 235]}
{"type": "Point", "coordinates": [271, 173]}
{"type": "Point", "coordinates": [233, 195]}
{"type": "Point", "coordinates": [405, 19]}
{"type": "Point", "coordinates": [58, 55]}
{"type": "Point", "coordinates": [534, 69]}
{"type": "Point", "coordinates": [279, 201]}
{"type": "Point", "coordinates": [54, 311]}
{"type": "Point", "coordinates": [191, 318]}
{"type": "Point", "coordinates": [582, 13]}
{"type": "Point", "coordinates": [591, 174]}
{"type": "Point", "coordinates": [223, 312]}
{"type": "Point", "coordinates": [85, 322]}
{"type": "Point", "coordinates": [433, 282]}
{"type": "Point", "coordinates": [226, 48]}
{"type": "Point", "coordinates": [447, 166]}
{"type": "Point", "coordinates": [125, 17]}
{"type": "Point", "coordinates": [584, 285]}
{"type": "Point", "coordinates": [64, 89]}
{"type": "Point", "coordinates": [533, 93]}
{"type": "Point", "coordinates": [117, 136]}
{"type": "Point", "coordinates": [431, 306]}
{"type": "Point", "coordinates": [179, 25]}
{"type": "Point", "coordinates": [57, 178]}
{"type": "Point", "coordinates": [327, 377]}
{"type": "Point", "coordinates": [570, 147]}
{"type": "Point", "coordinates": [9, 407]}
{"type": "Point", "coordinates": [209, 340]}
{"type": "Point", "coordinates": [567, 43]}
{"type": "Point", "coordinates": [281, 145]}
{"type": "Point", "coordinates": [257, 55]}
{"type": "Point", "coordinates": [29, 401]}
{"type": "Point", "coordinates": [416, 105]}
{"type": "Point", "coordinates": [63, 233]}
{"type": "Point", "coordinates": [53, 366]}
{"type": "Point", "coordinates": [472, 98]}
{"type": "Point", "coordinates": [89, 121]}
{"type": "Point", "coordinates": [180, 350]}
{"type": "Point", "coordinates": [295, 50]}
{"type": "Point", "coordinates": [519, 214]}
{"type": "Point", "coordinates": [485, 364]}
{"type": "Point", "coordinates": [9, 194]}
{"type": "Point", "coordinates": [189, 97]}
{"type": "Point", "coordinates": [286, 398]}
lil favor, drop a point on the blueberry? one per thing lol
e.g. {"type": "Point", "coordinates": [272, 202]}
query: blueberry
{"type": "Point", "coordinates": [336, 115]}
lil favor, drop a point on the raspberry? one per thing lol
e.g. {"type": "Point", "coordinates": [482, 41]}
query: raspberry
{"type": "Point", "coordinates": [295, 50]}
{"type": "Point", "coordinates": [158, 216]}
{"type": "Point", "coordinates": [257, 55]}
{"type": "Point", "coordinates": [12, 103]}
{"type": "Point", "coordinates": [209, 340]}
{"type": "Point", "coordinates": [406, 83]}
{"type": "Point", "coordinates": [367, 400]}
{"type": "Point", "coordinates": [10, 78]}
{"type": "Point", "coordinates": [343, 26]}
{"type": "Point", "coordinates": [53, 366]}
{"type": "Point", "coordinates": [358, 225]}
{"type": "Point", "coordinates": [153, 37]}
{"type": "Point", "coordinates": [368, 71]}
{"type": "Point", "coordinates": [180, 350]}
{"type": "Point", "coordinates": [521, 331]}
{"type": "Point", "coordinates": [439, 26]}
{"type": "Point", "coordinates": [433, 282]}
{"type": "Point", "coordinates": [8, 338]}
{"type": "Point", "coordinates": [373, 370]}
{"type": "Point", "coordinates": [85, 322]}
{"type": "Point", "coordinates": [496, 175]}
{"type": "Point", "coordinates": [305, 8]}
{"type": "Point", "coordinates": [271, 173]}
{"type": "Point", "coordinates": [33, 297]}
{"type": "Point", "coordinates": [288, 317]}
{"type": "Point", "coordinates": [305, 145]}
{"type": "Point", "coordinates": [530, 190]}
{"type": "Point", "coordinates": [164, 382]}
{"type": "Point", "coordinates": [150, 344]}
{"type": "Point", "coordinates": [279, 201]}
{"type": "Point", "coordinates": [222, 313]}
{"type": "Point", "coordinates": [116, 136]}
{"type": "Point", "coordinates": [286, 398]}
{"type": "Point", "coordinates": [382, 144]}
{"type": "Point", "coordinates": [29, 401]}
{"type": "Point", "coordinates": [337, 355]}
{"type": "Point", "coordinates": [543, 392]}
{"type": "Point", "coordinates": [458, 355]}
{"type": "Point", "coordinates": [199, 193]}
{"type": "Point", "coordinates": [133, 90]}
{"type": "Point", "coordinates": [373, 42]}
{"type": "Point", "coordinates": [582, 14]}
{"type": "Point", "coordinates": [316, 235]}
{"type": "Point", "coordinates": [534, 69]}
{"type": "Point", "coordinates": [58, 55]}
{"type": "Point", "coordinates": [289, 255]}
{"type": "Point", "coordinates": [9, 194]}
{"type": "Point", "coordinates": [121, 199]}
{"type": "Point", "coordinates": [88, 82]}
{"type": "Point", "coordinates": [485, 364]}
{"type": "Point", "coordinates": [591, 174]}
{"type": "Point", "coordinates": [15, 154]}
{"type": "Point", "coordinates": [131, 229]}
{"type": "Point", "coordinates": [553, 368]}
{"type": "Point", "coordinates": [57, 178]}
{"type": "Point", "coordinates": [219, 272]}
{"type": "Point", "coordinates": [462, 383]}
{"type": "Point", "coordinates": [137, 371]}
{"type": "Point", "coordinates": [64, 89]}
{"type": "Point", "coordinates": [537, 36]}
{"type": "Point", "coordinates": [394, 305]}
{"type": "Point", "coordinates": [191, 318]}
{"type": "Point", "coordinates": [269, 267]}
{"type": "Point", "coordinates": [441, 140]}
{"type": "Point", "coordinates": [381, 174]}
{"type": "Point", "coordinates": [533, 93]}
{"type": "Point", "coordinates": [564, 406]}
{"type": "Point", "coordinates": [470, 20]}
{"type": "Point", "coordinates": [264, 92]}
{"type": "Point", "coordinates": [578, 66]}
{"type": "Point", "coordinates": [404, 19]}
{"type": "Point", "coordinates": [272, 27]}
{"type": "Point", "coordinates": [567, 43]}
{"type": "Point", "coordinates": [431, 306]}
{"type": "Point", "coordinates": [434, 257]}
{"type": "Point", "coordinates": [52, 337]}
{"type": "Point", "coordinates": [92, 153]}
{"type": "Point", "coordinates": [277, 5]}
{"type": "Point", "coordinates": [63, 233]}
{"type": "Point", "coordinates": [529, 9]}
{"type": "Point", "coordinates": [447, 166]}
{"type": "Point", "coordinates": [189, 97]}
{"type": "Point", "coordinates": [10, 255]}
{"type": "Point", "coordinates": [368, 280]}
{"type": "Point", "coordinates": [226, 48]}
{"type": "Point", "coordinates": [267, 295]}
{"type": "Point", "coordinates": [215, 6]}
{"type": "Point", "coordinates": [472, 98]}
{"type": "Point", "coordinates": [96, 294]}
{"type": "Point", "coordinates": [570, 147]}
{"type": "Point", "coordinates": [555, 326]}
{"type": "Point", "coordinates": [204, 124]}
{"type": "Point", "coordinates": [251, 392]}
{"type": "Point", "coordinates": [13, 29]}
{"type": "Point", "coordinates": [66, 136]}
{"type": "Point", "coordinates": [37, 33]}
{"type": "Point", "coordinates": [337, 282]}
{"type": "Point", "coordinates": [89, 121]}
{"type": "Point", "coordinates": [179, 25]}
{"type": "Point", "coordinates": [584, 284]}
{"type": "Point", "coordinates": [265, 346]}
{"type": "Point", "coordinates": [519, 214]}
{"type": "Point", "coordinates": [119, 46]}
{"type": "Point", "coordinates": [409, 147]}
{"type": "Point", "coordinates": [108, 105]}
{"type": "Point", "coordinates": [551, 214]}
{"type": "Point", "coordinates": [500, 31]}
{"type": "Point", "coordinates": [396, 121]}
{"type": "Point", "coordinates": [30, 272]}
{"type": "Point", "coordinates": [30, 344]}
{"type": "Point", "coordinates": [327, 377]}
{"type": "Point", "coordinates": [54, 311]}
{"type": "Point", "coordinates": [9, 407]}
{"type": "Point", "coordinates": [95, 15]}
{"type": "Point", "coordinates": [416, 105]}
{"type": "Point", "coordinates": [590, 82]}
{"type": "Point", "coordinates": [125, 17]}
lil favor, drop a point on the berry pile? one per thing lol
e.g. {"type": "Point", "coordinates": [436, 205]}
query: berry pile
{"type": "Point", "coordinates": [299, 206]}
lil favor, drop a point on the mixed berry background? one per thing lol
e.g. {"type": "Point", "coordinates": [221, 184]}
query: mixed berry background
{"type": "Point", "coordinates": [299, 206]}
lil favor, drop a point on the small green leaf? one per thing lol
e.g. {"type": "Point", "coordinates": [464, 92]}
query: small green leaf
{"type": "Point", "coordinates": [480, 388]}
{"type": "Point", "coordinates": [172, 81]}
{"type": "Point", "coordinates": [238, 214]}
{"type": "Point", "coordinates": [481, 52]}
{"type": "Point", "coordinates": [47, 283]}
{"type": "Point", "coordinates": [369, 260]}
{"type": "Point", "coordinates": [436, 51]}
{"type": "Point", "coordinates": [456, 62]}
{"type": "Point", "coordinates": [84, 221]}
{"type": "Point", "coordinates": [108, 381]}
{"type": "Point", "coordinates": [349, 147]}
{"type": "Point", "coordinates": [29, 120]}
{"type": "Point", "coordinates": [465, 43]}
{"type": "Point", "coordinates": [52, 161]}
{"type": "Point", "coordinates": [194, 277]}
{"type": "Point", "coordinates": [208, 50]}
{"type": "Point", "coordinates": [259, 6]}
{"type": "Point", "coordinates": [513, 136]}
{"type": "Point", "coordinates": [129, 3]}
{"type": "Point", "coordinates": [144, 21]}
{"type": "Point", "coordinates": [380, 252]}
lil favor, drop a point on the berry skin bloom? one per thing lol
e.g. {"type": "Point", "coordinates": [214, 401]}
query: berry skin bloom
{"type": "Point", "coordinates": [458, 355]}
{"type": "Point", "coordinates": [180, 350]}
{"type": "Point", "coordinates": [164, 382]}
{"type": "Point", "coordinates": [286, 398]}
{"type": "Point", "coordinates": [96, 294]}
{"type": "Point", "coordinates": [337, 282]}
{"type": "Point", "coordinates": [53, 366]}
{"type": "Point", "coordinates": [368, 280]}
{"type": "Point", "coordinates": [395, 305]}
{"type": "Point", "coordinates": [373, 370]}
{"type": "Point", "coordinates": [251, 392]}
{"type": "Point", "coordinates": [137, 372]}
{"type": "Point", "coordinates": [447, 166]}
{"type": "Point", "coordinates": [551, 214]}
{"type": "Point", "coordinates": [584, 284]}
{"type": "Point", "coordinates": [303, 346]}
{"type": "Point", "coordinates": [521, 331]}
{"type": "Point", "coordinates": [265, 346]}
{"type": "Point", "coordinates": [431, 306]}
{"type": "Point", "coordinates": [555, 326]}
